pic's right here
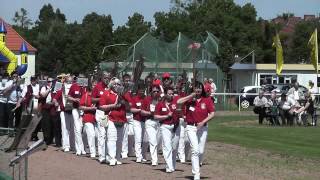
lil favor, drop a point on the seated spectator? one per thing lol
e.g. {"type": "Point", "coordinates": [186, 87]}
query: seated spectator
{"type": "Point", "coordinates": [272, 109]}
{"type": "Point", "coordinates": [286, 106]}
{"type": "Point", "coordinates": [259, 106]}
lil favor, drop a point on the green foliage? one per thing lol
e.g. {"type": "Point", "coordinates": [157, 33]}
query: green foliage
{"type": "Point", "coordinates": [298, 50]}
{"type": "Point", "coordinates": [73, 47]}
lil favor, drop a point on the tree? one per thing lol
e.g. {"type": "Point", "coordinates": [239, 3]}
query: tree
{"type": "Point", "coordinates": [132, 30]}
{"type": "Point", "coordinates": [84, 50]}
{"type": "Point", "coordinates": [298, 49]}
{"type": "Point", "coordinates": [21, 19]}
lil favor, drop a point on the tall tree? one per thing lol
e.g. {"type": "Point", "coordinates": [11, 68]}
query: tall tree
{"type": "Point", "coordinates": [21, 19]}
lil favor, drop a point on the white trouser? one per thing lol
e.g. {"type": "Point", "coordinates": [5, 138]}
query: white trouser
{"type": "Point", "coordinates": [182, 141]}
{"type": "Point", "coordinates": [167, 137]}
{"type": "Point", "coordinates": [152, 129]}
{"type": "Point", "coordinates": [89, 128]}
{"type": "Point", "coordinates": [139, 130]}
{"type": "Point", "coordinates": [65, 125]}
{"type": "Point", "coordinates": [127, 130]}
{"type": "Point", "coordinates": [197, 140]}
{"type": "Point", "coordinates": [101, 137]}
{"type": "Point", "coordinates": [78, 131]}
{"type": "Point", "coordinates": [175, 145]}
{"type": "Point", "coordinates": [114, 140]}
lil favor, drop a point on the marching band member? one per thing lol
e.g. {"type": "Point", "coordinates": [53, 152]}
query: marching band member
{"type": "Point", "coordinates": [200, 110]}
{"type": "Point", "coordinates": [46, 107]}
{"type": "Point", "coordinates": [151, 125]}
{"type": "Point", "coordinates": [88, 118]}
{"type": "Point", "coordinates": [99, 89]}
{"type": "Point", "coordinates": [31, 95]}
{"type": "Point", "coordinates": [12, 91]}
{"type": "Point", "coordinates": [128, 127]}
{"type": "Point", "coordinates": [138, 121]}
{"type": "Point", "coordinates": [59, 101]}
{"type": "Point", "coordinates": [115, 107]}
{"type": "Point", "coordinates": [166, 114]}
{"type": "Point", "coordinates": [74, 96]}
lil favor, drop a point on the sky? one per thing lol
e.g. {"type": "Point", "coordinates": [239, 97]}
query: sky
{"type": "Point", "coordinates": [75, 10]}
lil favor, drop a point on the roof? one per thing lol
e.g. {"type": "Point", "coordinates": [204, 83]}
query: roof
{"type": "Point", "coordinates": [14, 40]}
{"type": "Point", "coordinates": [288, 67]}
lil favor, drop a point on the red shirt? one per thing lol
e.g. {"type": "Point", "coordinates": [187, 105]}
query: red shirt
{"type": "Point", "coordinates": [200, 110]}
{"type": "Point", "coordinates": [147, 102]}
{"type": "Point", "coordinates": [75, 92]}
{"type": "Point", "coordinates": [163, 108]}
{"type": "Point", "coordinates": [137, 103]}
{"type": "Point", "coordinates": [128, 96]}
{"type": "Point", "coordinates": [98, 90]}
{"type": "Point", "coordinates": [115, 115]}
{"type": "Point", "coordinates": [88, 116]}
{"type": "Point", "coordinates": [58, 97]}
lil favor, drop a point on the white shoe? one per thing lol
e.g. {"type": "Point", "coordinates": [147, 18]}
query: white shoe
{"type": "Point", "coordinates": [112, 162]}
{"type": "Point", "coordinates": [92, 155]}
{"type": "Point", "coordinates": [138, 160]}
{"type": "Point", "coordinates": [196, 177]}
{"type": "Point", "coordinates": [154, 163]}
{"type": "Point", "coordinates": [169, 170]}
{"type": "Point", "coordinates": [182, 160]}
{"type": "Point", "coordinates": [83, 153]}
{"type": "Point", "coordinates": [102, 160]}
{"type": "Point", "coordinates": [66, 150]}
{"type": "Point", "coordinates": [144, 160]}
{"type": "Point", "coordinates": [124, 156]}
{"type": "Point", "coordinates": [118, 162]}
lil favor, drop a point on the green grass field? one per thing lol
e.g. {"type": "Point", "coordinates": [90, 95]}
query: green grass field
{"type": "Point", "coordinates": [245, 131]}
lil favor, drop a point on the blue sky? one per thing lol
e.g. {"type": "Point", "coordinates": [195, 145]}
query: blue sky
{"type": "Point", "coordinates": [121, 9]}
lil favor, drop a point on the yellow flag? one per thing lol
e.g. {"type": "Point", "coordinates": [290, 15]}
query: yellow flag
{"type": "Point", "coordinates": [279, 53]}
{"type": "Point", "coordinates": [313, 44]}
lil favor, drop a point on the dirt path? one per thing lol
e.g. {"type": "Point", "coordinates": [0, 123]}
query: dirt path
{"type": "Point", "coordinates": [222, 162]}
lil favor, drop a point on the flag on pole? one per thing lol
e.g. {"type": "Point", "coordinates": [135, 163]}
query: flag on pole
{"type": "Point", "coordinates": [313, 44]}
{"type": "Point", "coordinates": [279, 53]}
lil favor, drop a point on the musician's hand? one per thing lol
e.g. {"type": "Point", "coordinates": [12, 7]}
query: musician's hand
{"type": "Point", "coordinates": [193, 94]}
{"type": "Point", "coordinates": [170, 114]}
{"type": "Point", "coordinates": [200, 125]}
{"type": "Point", "coordinates": [77, 100]}
{"type": "Point", "coordinates": [118, 105]}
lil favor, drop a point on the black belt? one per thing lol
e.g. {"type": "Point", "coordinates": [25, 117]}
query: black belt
{"type": "Point", "coordinates": [195, 124]}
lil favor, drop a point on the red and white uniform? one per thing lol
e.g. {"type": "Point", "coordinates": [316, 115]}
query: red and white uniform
{"type": "Point", "coordinates": [128, 127]}
{"type": "Point", "coordinates": [89, 120]}
{"type": "Point", "coordinates": [65, 132]}
{"type": "Point", "coordinates": [99, 89]}
{"type": "Point", "coordinates": [138, 126]}
{"type": "Point", "coordinates": [114, 132]}
{"type": "Point", "coordinates": [75, 92]}
{"type": "Point", "coordinates": [152, 128]}
{"type": "Point", "coordinates": [195, 114]}
{"type": "Point", "coordinates": [170, 131]}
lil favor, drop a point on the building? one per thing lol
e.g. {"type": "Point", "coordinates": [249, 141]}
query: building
{"type": "Point", "coordinates": [13, 42]}
{"type": "Point", "coordinates": [255, 74]}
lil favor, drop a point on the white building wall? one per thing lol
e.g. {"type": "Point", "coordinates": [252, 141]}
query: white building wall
{"type": "Point", "coordinates": [31, 71]}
